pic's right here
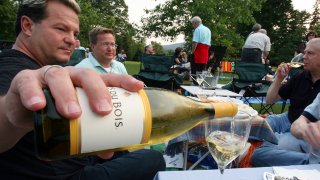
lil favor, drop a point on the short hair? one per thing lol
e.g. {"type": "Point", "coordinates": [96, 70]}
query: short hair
{"type": "Point", "coordinates": [36, 10]}
{"type": "Point", "coordinates": [196, 19]}
{"type": "Point", "coordinates": [146, 47]}
{"type": "Point", "coordinates": [256, 27]}
{"type": "Point", "coordinates": [93, 34]}
{"type": "Point", "coordinates": [311, 33]}
{"type": "Point", "coordinates": [263, 31]}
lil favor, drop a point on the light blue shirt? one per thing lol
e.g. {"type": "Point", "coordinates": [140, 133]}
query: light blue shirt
{"type": "Point", "coordinates": [92, 63]}
{"type": "Point", "coordinates": [314, 108]}
{"type": "Point", "coordinates": [202, 35]}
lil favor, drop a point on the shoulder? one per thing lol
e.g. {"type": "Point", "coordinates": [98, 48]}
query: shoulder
{"type": "Point", "coordinates": [120, 68]}
{"type": "Point", "coordinates": [84, 63]}
{"type": "Point", "coordinates": [11, 63]}
{"type": "Point", "coordinates": [13, 58]}
{"type": "Point", "coordinates": [117, 64]}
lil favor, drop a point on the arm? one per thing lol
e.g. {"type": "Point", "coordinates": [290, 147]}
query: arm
{"type": "Point", "coordinates": [272, 95]}
{"type": "Point", "coordinates": [302, 128]}
{"type": "Point", "coordinates": [265, 54]}
{"type": "Point", "coordinates": [26, 95]}
{"type": "Point", "coordinates": [194, 46]}
{"type": "Point", "coordinates": [177, 60]}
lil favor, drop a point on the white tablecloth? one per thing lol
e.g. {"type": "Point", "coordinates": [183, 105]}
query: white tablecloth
{"type": "Point", "coordinates": [217, 92]}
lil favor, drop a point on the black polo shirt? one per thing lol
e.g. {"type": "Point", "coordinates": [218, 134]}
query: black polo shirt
{"type": "Point", "coordinates": [301, 91]}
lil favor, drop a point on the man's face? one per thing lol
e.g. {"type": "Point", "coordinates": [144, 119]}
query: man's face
{"type": "Point", "coordinates": [195, 25]}
{"type": "Point", "coordinates": [312, 56]}
{"type": "Point", "coordinates": [150, 50]}
{"type": "Point", "coordinates": [52, 40]}
{"type": "Point", "coordinates": [104, 50]}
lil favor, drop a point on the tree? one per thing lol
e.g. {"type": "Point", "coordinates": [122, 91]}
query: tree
{"type": "Point", "coordinates": [221, 16]}
{"type": "Point", "coordinates": [8, 11]}
{"type": "Point", "coordinates": [286, 28]}
{"type": "Point", "coordinates": [157, 47]}
{"type": "Point", "coordinates": [315, 17]}
{"type": "Point", "coordinates": [110, 14]}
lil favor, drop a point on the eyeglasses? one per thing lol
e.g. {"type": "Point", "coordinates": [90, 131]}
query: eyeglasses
{"type": "Point", "coordinates": [112, 45]}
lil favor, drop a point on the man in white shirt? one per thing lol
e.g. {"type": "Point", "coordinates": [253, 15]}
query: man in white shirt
{"type": "Point", "coordinates": [256, 47]}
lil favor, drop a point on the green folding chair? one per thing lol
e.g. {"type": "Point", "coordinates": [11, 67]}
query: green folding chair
{"type": "Point", "coordinates": [155, 71]}
{"type": "Point", "coordinates": [248, 81]}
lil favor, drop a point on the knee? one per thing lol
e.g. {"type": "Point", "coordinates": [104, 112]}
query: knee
{"type": "Point", "coordinates": [259, 158]}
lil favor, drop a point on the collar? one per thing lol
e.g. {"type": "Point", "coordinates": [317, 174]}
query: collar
{"type": "Point", "coordinates": [95, 62]}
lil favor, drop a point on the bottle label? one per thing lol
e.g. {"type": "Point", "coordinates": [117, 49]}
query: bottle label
{"type": "Point", "coordinates": [126, 125]}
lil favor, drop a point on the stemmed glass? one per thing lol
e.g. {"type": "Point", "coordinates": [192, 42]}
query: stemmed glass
{"type": "Point", "coordinates": [199, 78]}
{"type": "Point", "coordinates": [227, 137]}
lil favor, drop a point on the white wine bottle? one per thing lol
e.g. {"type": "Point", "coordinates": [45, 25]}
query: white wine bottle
{"type": "Point", "coordinates": [138, 119]}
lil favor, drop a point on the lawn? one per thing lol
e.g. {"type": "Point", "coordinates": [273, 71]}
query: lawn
{"type": "Point", "coordinates": [132, 67]}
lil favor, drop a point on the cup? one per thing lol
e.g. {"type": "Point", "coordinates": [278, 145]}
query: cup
{"type": "Point", "coordinates": [199, 78]}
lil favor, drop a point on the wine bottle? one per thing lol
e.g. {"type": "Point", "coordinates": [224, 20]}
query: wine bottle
{"type": "Point", "coordinates": [138, 119]}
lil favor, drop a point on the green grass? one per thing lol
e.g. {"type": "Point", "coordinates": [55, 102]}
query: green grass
{"type": "Point", "coordinates": [132, 67]}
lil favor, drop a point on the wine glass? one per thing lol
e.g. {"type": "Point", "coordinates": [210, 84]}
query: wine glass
{"type": "Point", "coordinates": [227, 137]}
{"type": "Point", "coordinates": [199, 78]}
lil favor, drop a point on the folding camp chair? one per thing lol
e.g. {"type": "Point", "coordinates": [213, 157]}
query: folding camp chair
{"type": "Point", "coordinates": [155, 71]}
{"type": "Point", "coordinates": [247, 80]}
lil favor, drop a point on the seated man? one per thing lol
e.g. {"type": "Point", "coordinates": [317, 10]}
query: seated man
{"type": "Point", "coordinates": [301, 90]}
{"type": "Point", "coordinates": [102, 59]}
{"type": "Point", "coordinates": [307, 127]}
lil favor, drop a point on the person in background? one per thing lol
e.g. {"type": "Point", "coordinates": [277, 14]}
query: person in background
{"type": "Point", "coordinates": [78, 54]}
{"type": "Point", "coordinates": [102, 59]}
{"type": "Point", "coordinates": [182, 66]}
{"type": "Point", "coordinates": [298, 55]}
{"type": "Point", "coordinates": [255, 28]}
{"type": "Point", "coordinates": [310, 35]}
{"type": "Point", "coordinates": [201, 42]}
{"type": "Point", "coordinates": [256, 48]}
{"type": "Point", "coordinates": [87, 52]}
{"type": "Point", "coordinates": [179, 59]}
{"type": "Point", "coordinates": [46, 31]}
{"type": "Point", "coordinates": [149, 49]}
{"type": "Point", "coordinates": [301, 90]}
{"type": "Point", "coordinates": [122, 56]}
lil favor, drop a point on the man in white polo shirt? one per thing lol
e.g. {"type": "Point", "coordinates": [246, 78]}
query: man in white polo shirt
{"type": "Point", "coordinates": [256, 47]}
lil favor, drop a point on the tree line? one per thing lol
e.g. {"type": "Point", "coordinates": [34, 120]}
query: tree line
{"type": "Point", "coordinates": [230, 22]}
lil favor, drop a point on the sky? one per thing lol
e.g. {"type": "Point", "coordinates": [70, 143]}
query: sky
{"type": "Point", "coordinates": [136, 8]}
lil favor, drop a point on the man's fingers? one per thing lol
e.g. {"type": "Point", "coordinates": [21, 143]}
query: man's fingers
{"type": "Point", "coordinates": [57, 79]}
{"type": "Point", "coordinates": [95, 88]}
{"type": "Point", "coordinates": [124, 81]}
{"type": "Point", "coordinates": [26, 88]}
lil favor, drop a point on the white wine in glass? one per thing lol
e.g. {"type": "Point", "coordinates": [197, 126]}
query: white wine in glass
{"type": "Point", "coordinates": [227, 137]}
